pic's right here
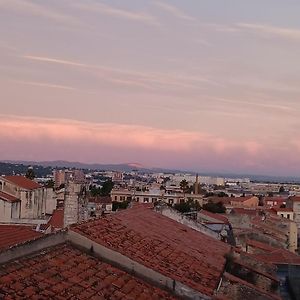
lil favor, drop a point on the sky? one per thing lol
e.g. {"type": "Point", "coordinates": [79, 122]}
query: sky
{"type": "Point", "coordinates": [200, 85]}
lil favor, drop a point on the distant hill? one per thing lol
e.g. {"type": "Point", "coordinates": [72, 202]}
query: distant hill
{"type": "Point", "coordinates": [21, 169]}
{"type": "Point", "coordinates": [43, 168]}
{"type": "Point", "coordinates": [126, 167]}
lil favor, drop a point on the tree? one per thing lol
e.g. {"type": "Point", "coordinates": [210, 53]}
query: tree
{"type": "Point", "coordinates": [107, 187]}
{"type": "Point", "coordinates": [49, 184]}
{"type": "Point", "coordinates": [95, 191]}
{"type": "Point", "coordinates": [30, 173]}
{"type": "Point", "coordinates": [281, 189]}
{"type": "Point", "coordinates": [188, 206]}
{"type": "Point", "coordinates": [184, 185]}
{"type": "Point", "coordinates": [119, 205]}
{"type": "Point", "coordinates": [222, 194]}
{"type": "Point", "coordinates": [215, 207]}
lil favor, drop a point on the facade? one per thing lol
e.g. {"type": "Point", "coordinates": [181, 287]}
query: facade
{"type": "Point", "coordinates": [153, 196]}
{"type": "Point", "coordinates": [22, 198]}
{"type": "Point", "coordinates": [63, 176]}
{"type": "Point", "coordinates": [99, 205]}
{"type": "Point", "coordinates": [274, 201]}
{"type": "Point", "coordinates": [284, 212]}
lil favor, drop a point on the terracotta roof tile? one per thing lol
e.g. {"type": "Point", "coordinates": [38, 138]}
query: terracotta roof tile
{"type": "Point", "coordinates": [279, 257]}
{"type": "Point", "coordinates": [161, 244]}
{"type": "Point", "coordinates": [8, 198]}
{"type": "Point", "coordinates": [23, 182]}
{"type": "Point", "coordinates": [54, 274]}
{"type": "Point", "coordinates": [260, 245]}
{"type": "Point", "coordinates": [57, 219]}
{"type": "Point", "coordinates": [11, 235]}
{"type": "Point", "coordinates": [240, 199]}
{"type": "Point", "coordinates": [295, 198]}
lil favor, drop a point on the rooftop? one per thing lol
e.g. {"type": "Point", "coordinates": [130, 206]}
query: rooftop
{"type": "Point", "coordinates": [161, 244]}
{"type": "Point", "coordinates": [23, 182]}
{"type": "Point", "coordinates": [57, 219]}
{"type": "Point", "coordinates": [274, 255]}
{"type": "Point", "coordinates": [241, 199]}
{"type": "Point", "coordinates": [12, 235]}
{"type": "Point", "coordinates": [260, 245]}
{"type": "Point", "coordinates": [8, 198]}
{"type": "Point", "coordinates": [295, 198]}
{"type": "Point", "coordinates": [101, 199]}
{"type": "Point", "coordinates": [63, 272]}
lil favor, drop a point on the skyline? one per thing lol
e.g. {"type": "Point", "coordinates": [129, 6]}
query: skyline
{"type": "Point", "coordinates": [193, 85]}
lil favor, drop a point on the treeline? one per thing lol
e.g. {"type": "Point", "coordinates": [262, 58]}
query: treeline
{"type": "Point", "coordinates": [20, 169]}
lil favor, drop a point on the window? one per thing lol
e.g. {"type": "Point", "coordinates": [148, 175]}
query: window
{"type": "Point", "coordinates": [28, 199]}
{"type": "Point", "coordinates": [282, 215]}
{"type": "Point", "coordinates": [171, 201]}
{"type": "Point", "coordinates": [154, 199]}
{"type": "Point", "coordinates": [288, 216]}
{"type": "Point", "coordinates": [146, 199]}
{"type": "Point", "coordinates": [116, 198]}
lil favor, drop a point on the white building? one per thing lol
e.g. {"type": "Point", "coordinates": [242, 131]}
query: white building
{"type": "Point", "coordinates": [24, 199]}
{"type": "Point", "coordinates": [152, 196]}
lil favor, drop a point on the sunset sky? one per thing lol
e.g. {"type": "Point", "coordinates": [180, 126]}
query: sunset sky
{"type": "Point", "coordinates": [201, 85]}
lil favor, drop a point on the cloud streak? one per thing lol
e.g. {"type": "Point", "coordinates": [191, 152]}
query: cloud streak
{"type": "Point", "coordinates": [46, 85]}
{"type": "Point", "coordinates": [108, 10]}
{"type": "Point", "coordinates": [174, 11]}
{"type": "Point", "coordinates": [147, 80]}
{"type": "Point", "coordinates": [36, 10]}
{"type": "Point", "coordinates": [271, 31]}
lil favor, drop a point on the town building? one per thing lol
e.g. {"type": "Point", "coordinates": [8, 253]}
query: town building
{"type": "Point", "coordinates": [22, 199]}
{"type": "Point", "coordinates": [153, 196]}
{"type": "Point", "coordinates": [284, 212]}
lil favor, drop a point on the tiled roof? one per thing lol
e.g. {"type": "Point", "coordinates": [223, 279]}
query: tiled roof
{"type": "Point", "coordinates": [64, 272]}
{"type": "Point", "coordinates": [260, 245]}
{"type": "Point", "coordinates": [57, 219]}
{"type": "Point", "coordinates": [279, 257]}
{"type": "Point", "coordinates": [161, 244]}
{"type": "Point", "coordinates": [23, 182]}
{"type": "Point", "coordinates": [8, 198]}
{"type": "Point", "coordinates": [282, 209]}
{"type": "Point", "coordinates": [217, 217]}
{"type": "Point", "coordinates": [274, 199]}
{"type": "Point", "coordinates": [11, 235]}
{"type": "Point", "coordinates": [295, 198]}
{"type": "Point", "coordinates": [241, 199]}
{"type": "Point", "coordinates": [274, 255]}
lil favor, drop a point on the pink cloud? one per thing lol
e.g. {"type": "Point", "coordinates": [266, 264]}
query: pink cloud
{"type": "Point", "coordinates": [50, 139]}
